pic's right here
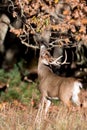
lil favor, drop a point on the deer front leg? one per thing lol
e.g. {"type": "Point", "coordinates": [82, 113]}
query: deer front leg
{"type": "Point", "coordinates": [47, 105]}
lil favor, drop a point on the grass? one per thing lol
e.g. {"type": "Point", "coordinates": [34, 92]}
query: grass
{"type": "Point", "coordinates": [18, 89]}
{"type": "Point", "coordinates": [19, 108]}
{"type": "Point", "coordinates": [14, 117]}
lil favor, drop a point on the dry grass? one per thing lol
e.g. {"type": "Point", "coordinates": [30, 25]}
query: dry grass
{"type": "Point", "coordinates": [13, 117]}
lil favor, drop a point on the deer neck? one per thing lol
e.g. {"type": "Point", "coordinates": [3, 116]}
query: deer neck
{"type": "Point", "coordinates": [43, 71]}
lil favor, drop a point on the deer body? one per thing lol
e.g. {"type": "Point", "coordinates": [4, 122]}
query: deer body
{"type": "Point", "coordinates": [53, 86]}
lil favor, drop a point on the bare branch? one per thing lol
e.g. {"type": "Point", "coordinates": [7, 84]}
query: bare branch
{"type": "Point", "coordinates": [30, 46]}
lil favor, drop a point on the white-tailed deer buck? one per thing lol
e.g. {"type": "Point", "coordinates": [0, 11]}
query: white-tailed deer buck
{"type": "Point", "coordinates": [53, 86]}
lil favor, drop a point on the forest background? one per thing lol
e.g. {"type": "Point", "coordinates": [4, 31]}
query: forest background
{"type": "Point", "coordinates": [24, 25]}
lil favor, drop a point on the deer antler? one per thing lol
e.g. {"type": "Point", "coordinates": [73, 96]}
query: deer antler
{"type": "Point", "coordinates": [56, 61]}
{"type": "Point", "coordinates": [64, 62]}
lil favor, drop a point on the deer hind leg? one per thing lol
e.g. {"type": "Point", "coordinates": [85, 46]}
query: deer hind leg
{"type": "Point", "coordinates": [69, 106]}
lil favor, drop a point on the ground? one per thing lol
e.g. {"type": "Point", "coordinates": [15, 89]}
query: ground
{"type": "Point", "coordinates": [19, 117]}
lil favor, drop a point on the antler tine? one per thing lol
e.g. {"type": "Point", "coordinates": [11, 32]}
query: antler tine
{"type": "Point", "coordinates": [64, 62]}
{"type": "Point", "coordinates": [55, 62]}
